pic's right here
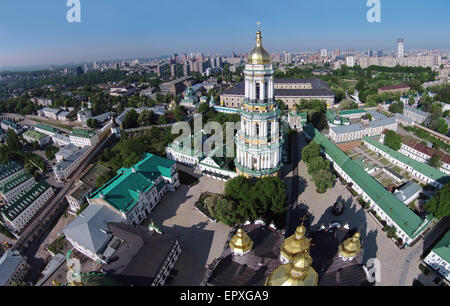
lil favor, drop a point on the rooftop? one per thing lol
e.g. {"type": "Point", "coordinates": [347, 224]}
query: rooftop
{"type": "Point", "coordinates": [46, 128]}
{"type": "Point", "coordinates": [14, 182]}
{"type": "Point", "coordinates": [68, 160]}
{"type": "Point", "coordinates": [9, 168]}
{"type": "Point", "coordinates": [140, 255]}
{"type": "Point", "coordinates": [25, 199]}
{"type": "Point", "coordinates": [403, 86]}
{"type": "Point", "coordinates": [319, 88]}
{"type": "Point", "coordinates": [442, 247]}
{"type": "Point", "coordinates": [83, 133]}
{"type": "Point", "coordinates": [35, 135]}
{"type": "Point", "coordinates": [8, 265]}
{"type": "Point", "coordinates": [90, 228]}
{"type": "Point", "coordinates": [407, 191]}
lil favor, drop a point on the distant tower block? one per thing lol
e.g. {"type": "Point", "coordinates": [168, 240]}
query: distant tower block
{"type": "Point", "coordinates": [400, 48]}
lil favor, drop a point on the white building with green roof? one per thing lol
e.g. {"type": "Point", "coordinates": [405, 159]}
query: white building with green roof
{"type": "Point", "coordinates": [15, 186]}
{"type": "Point", "coordinates": [134, 192]}
{"type": "Point", "coordinates": [22, 209]}
{"type": "Point", "coordinates": [408, 225]}
{"type": "Point", "coordinates": [439, 257]}
{"type": "Point", "coordinates": [32, 136]}
{"type": "Point", "coordinates": [46, 129]}
{"type": "Point", "coordinates": [83, 138]}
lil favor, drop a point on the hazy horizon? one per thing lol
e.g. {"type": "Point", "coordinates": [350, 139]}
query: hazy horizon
{"type": "Point", "coordinates": [38, 34]}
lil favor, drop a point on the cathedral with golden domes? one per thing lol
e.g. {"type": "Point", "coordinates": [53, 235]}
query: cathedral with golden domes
{"type": "Point", "coordinates": [258, 255]}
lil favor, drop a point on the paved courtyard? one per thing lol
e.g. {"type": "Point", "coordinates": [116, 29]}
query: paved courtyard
{"type": "Point", "coordinates": [398, 267]}
{"type": "Point", "coordinates": [201, 240]}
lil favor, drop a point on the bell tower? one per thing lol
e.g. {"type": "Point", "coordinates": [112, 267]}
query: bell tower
{"type": "Point", "coordinates": [259, 141]}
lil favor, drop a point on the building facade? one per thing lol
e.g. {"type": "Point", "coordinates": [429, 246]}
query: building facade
{"type": "Point", "coordinates": [290, 91]}
{"type": "Point", "coordinates": [439, 257]}
{"type": "Point", "coordinates": [68, 165]}
{"type": "Point", "coordinates": [13, 268]}
{"type": "Point", "coordinates": [83, 138]}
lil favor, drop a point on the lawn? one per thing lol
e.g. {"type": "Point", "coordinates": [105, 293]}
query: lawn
{"type": "Point", "coordinates": [386, 182]}
{"type": "Point", "coordinates": [187, 179]}
{"type": "Point", "coordinates": [58, 245]}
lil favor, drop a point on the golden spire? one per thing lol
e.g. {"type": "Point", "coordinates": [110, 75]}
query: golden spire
{"type": "Point", "coordinates": [350, 247]}
{"type": "Point", "coordinates": [259, 55]}
{"type": "Point", "coordinates": [295, 244]}
{"type": "Point", "coordinates": [296, 273]}
{"type": "Point", "coordinates": [241, 243]}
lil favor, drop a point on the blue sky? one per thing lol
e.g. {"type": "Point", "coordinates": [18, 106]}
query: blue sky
{"type": "Point", "coordinates": [36, 32]}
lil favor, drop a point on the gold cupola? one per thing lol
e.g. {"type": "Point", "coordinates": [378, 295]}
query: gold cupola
{"type": "Point", "coordinates": [295, 244]}
{"type": "Point", "coordinates": [259, 55]}
{"type": "Point", "coordinates": [296, 273]}
{"type": "Point", "coordinates": [241, 243]}
{"type": "Point", "coordinates": [350, 247]}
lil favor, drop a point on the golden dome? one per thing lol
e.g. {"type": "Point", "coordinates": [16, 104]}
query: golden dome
{"type": "Point", "coordinates": [297, 273]}
{"type": "Point", "coordinates": [241, 243]}
{"type": "Point", "coordinates": [295, 244]}
{"type": "Point", "coordinates": [350, 247]}
{"type": "Point", "coordinates": [259, 55]}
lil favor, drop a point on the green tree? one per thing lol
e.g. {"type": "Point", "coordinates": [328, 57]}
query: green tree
{"type": "Point", "coordinates": [348, 104]}
{"type": "Point", "coordinates": [225, 211]}
{"type": "Point", "coordinates": [203, 107]}
{"type": "Point", "coordinates": [396, 107]}
{"type": "Point", "coordinates": [411, 101]}
{"type": "Point", "coordinates": [131, 120]}
{"type": "Point", "coordinates": [435, 161]}
{"type": "Point", "coordinates": [324, 180]}
{"type": "Point", "coordinates": [145, 118]}
{"type": "Point", "coordinates": [162, 120]}
{"type": "Point", "coordinates": [36, 145]}
{"type": "Point", "coordinates": [442, 126]}
{"type": "Point", "coordinates": [12, 141]}
{"type": "Point", "coordinates": [311, 151]}
{"type": "Point", "coordinates": [316, 164]}
{"type": "Point", "coordinates": [393, 140]}
{"type": "Point", "coordinates": [439, 205]}
{"type": "Point", "coordinates": [92, 123]}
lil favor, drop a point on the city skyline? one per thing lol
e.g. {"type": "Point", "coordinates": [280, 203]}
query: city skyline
{"type": "Point", "coordinates": [125, 30]}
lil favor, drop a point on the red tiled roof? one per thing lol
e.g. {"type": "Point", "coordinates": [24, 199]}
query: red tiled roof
{"type": "Point", "coordinates": [394, 87]}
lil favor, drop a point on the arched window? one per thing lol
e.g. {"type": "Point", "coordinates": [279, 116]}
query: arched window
{"type": "Point", "coordinates": [258, 88]}
{"type": "Point", "coordinates": [266, 90]}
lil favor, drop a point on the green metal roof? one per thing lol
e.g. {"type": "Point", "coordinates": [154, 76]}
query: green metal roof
{"type": "Point", "coordinates": [20, 203]}
{"type": "Point", "coordinates": [46, 128]}
{"type": "Point", "coordinates": [442, 247]}
{"type": "Point", "coordinates": [122, 192]}
{"type": "Point", "coordinates": [422, 168]}
{"type": "Point", "coordinates": [404, 217]}
{"type": "Point", "coordinates": [11, 124]}
{"type": "Point", "coordinates": [35, 135]}
{"type": "Point", "coordinates": [9, 168]}
{"type": "Point", "coordinates": [352, 112]}
{"type": "Point", "coordinates": [83, 133]}
{"type": "Point", "coordinates": [14, 182]}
